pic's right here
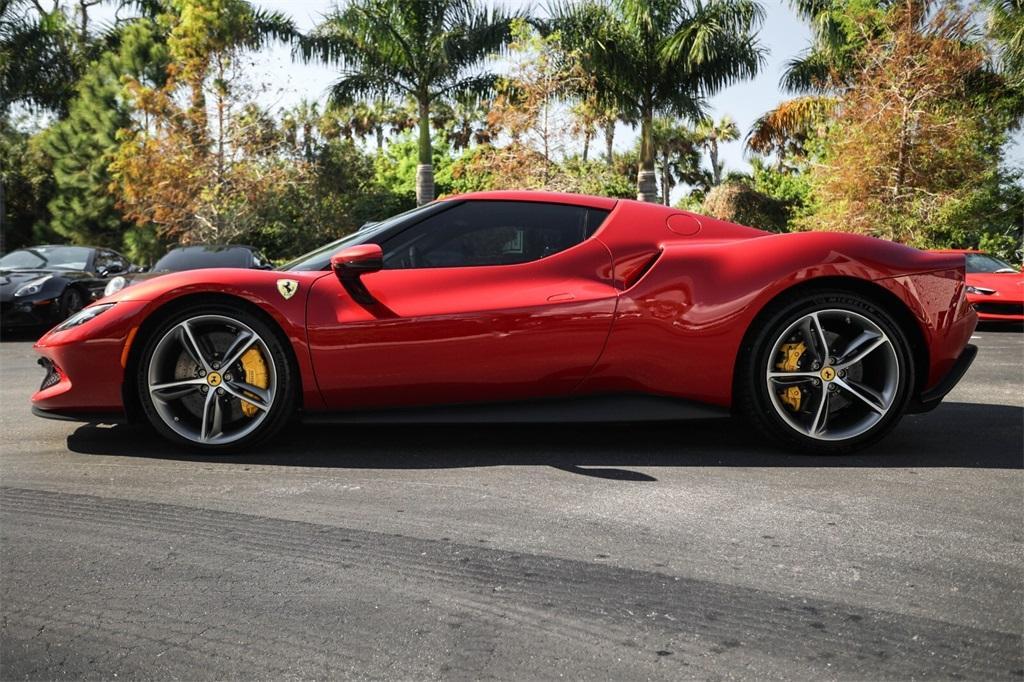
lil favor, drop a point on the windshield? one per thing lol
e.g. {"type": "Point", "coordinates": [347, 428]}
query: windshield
{"type": "Point", "coordinates": [319, 259]}
{"type": "Point", "coordinates": [42, 257]}
{"type": "Point", "coordinates": [201, 257]}
{"type": "Point", "coordinates": [984, 263]}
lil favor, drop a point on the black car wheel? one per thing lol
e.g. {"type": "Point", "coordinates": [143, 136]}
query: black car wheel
{"type": "Point", "coordinates": [828, 372]}
{"type": "Point", "coordinates": [216, 378]}
{"type": "Point", "coordinates": [70, 302]}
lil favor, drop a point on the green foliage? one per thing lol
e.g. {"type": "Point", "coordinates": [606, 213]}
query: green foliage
{"type": "Point", "coordinates": [395, 167]}
{"type": "Point", "coordinates": [990, 218]}
{"type": "Point", "coordinates": [662, 57]}
{"type": "Point", "coordinates": [333, 195]}
{"type": "Point", "coordinates": [738, 202]}
{"type": "Point", "coordinates": [83, 145]}
{"type": "Point", "coordinates": [26, 183]}
{"type": "Point", "coordinates": [426, 51]}
{"type": "Point", "coordinates": [42, 57]}
{"type": "Point", "coordinates": [414, 87]}
{"type": "Point", "coordinates": [792, 188]}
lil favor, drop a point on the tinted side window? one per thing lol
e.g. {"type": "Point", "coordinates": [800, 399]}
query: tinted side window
{"type": "Point", "coordinates": [489, 233]}
{"type": "Point", "coordinates": [110, 262]}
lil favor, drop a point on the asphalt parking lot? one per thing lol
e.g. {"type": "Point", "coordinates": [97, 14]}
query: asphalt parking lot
{"type": "Point", "coordinates": [612, 551]}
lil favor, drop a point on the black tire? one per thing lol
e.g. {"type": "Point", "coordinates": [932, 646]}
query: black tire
{"type": "Point", "coordinates": [71, 301]}
{"type": "Point", "coordinates": [753, 399]}
{"type": "Point", "coordinates": [283, 404]}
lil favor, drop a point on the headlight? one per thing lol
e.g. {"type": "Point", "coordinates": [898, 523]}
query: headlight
{"type": "Point", "coordinates": [980, 290]}
{"type": "Point", "coordinates": [83, 316]}
{"type": "Point", "coordinates": [115, 285]}
{"type": "Point", "coordinates": [32, 287]}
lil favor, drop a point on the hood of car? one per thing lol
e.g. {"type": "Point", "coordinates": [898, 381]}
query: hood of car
{"type": "Point", "coordinates": [139, 277]}
{"type": "Point", "coordinates": [1006, 283]}
{"type": "Point", "coordinates": [11, 280]}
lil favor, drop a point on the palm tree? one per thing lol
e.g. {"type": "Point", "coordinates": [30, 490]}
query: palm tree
{"type": "Point", "coordinates": [712, 133]}
{"type": "Point", "coordinates": [650, 57]}
{"type": "Point", "coordinates": [678, 156]}
{"type": "Point", "coordinates": [817, 76]}
{"type": "Point", "coordinates": [428, 51]}
{"type": "Point", "coordinates": [784, 129]}
{"type": "Point", "coordinates": [465, 122]}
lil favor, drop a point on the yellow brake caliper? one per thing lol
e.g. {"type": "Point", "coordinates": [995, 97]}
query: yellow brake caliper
{"type": "Point", "coordinates": [791, 352]}
{"type": "Point", "coordinates": [255, 375]}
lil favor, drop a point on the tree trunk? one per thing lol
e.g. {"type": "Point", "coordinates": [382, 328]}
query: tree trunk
{"type": "Point", "coordinates": [665, 189]}
{"type": "Point", "coordinates": [3, 218]}
{"type": "Point", "coordinates": [646, 180]}
{"type": "Point", "coordinates": [586, 145]}
{"type": "Point", "coordinates": [425, 169]}
{"type": "Point", "coordinates": [716, 170]}
{"type": "Point", "coordinates": [609, 141]}
{"type": "Point", "coordinates": [901, 160]}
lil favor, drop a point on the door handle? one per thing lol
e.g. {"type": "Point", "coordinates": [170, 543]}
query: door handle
{"type": "Point", "coordinates": [555, 298]}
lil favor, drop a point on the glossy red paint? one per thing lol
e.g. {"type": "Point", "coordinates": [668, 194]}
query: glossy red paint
{"type": "Point", "coordinates": [1005, 303]}
{"type": "Point", "coordinates": [98, 387]}
{"type": "Point", "coordinates": [355, 255]}
{"type": "Point", "coordinates": [658, 302]}
{"type": "Point", "coordinates": [452, 335]}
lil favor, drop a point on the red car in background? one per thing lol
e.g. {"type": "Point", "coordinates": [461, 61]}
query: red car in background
{"type": "Point", "coordinates": [994, 287]}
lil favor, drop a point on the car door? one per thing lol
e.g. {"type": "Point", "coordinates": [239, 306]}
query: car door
{"type": "Point", "coordinates": [485, 301]}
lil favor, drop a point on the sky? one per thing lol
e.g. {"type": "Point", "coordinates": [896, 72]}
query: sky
{"type": "Point", "coordinates": [782, 34]}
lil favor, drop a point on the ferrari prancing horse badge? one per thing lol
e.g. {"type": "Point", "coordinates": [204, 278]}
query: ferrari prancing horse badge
{"type": "Point", "coordinates": [287, 287]}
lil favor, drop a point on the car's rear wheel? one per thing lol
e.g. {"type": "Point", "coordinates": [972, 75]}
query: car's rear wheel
{"type": "Point", "coordinates": [215, 378]}
{"type": "Point", "coordinates": [828, 372]}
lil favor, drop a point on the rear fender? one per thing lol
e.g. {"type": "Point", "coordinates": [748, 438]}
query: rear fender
{"type": "Point", "coordinates": [679, 329]}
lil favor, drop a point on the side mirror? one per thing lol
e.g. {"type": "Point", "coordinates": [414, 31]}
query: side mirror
{"type": "Point", "coordinates": [352, 263]}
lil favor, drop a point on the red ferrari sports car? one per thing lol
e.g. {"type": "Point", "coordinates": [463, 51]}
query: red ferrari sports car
{"type": "Point", "coordinates": [994, 287]}
{"type": "Point", "coordinates": [527, 306]}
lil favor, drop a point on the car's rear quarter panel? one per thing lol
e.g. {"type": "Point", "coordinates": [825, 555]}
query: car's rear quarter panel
{"type": "Point", "coordinates": [679, 329]}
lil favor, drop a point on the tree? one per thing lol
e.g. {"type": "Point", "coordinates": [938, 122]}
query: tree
{"type": "Point", "coordinates": [1006, 28]}
{"type": "Point", "coordinates": [27, 177]}
{"type": "Point", "coordinates": [677, 155]}
{"type": "Point", "coordinates": [818, 75]}
{"type": "Point", "coordinates": [429, 51]}
{"type": "Point", "coordinates": [738, 202]}
{"type": "Point", "coordinates": [785, 130]}
{"type": "Point", "coordinates": [526, 107]}
{"type": "Point", "coordinates": [712, 133]}
{"type": "Point", "coordinates": [909, 138]}
{"type": "Point", "coordinates": [199, 156]}
{"type": "Point", "coordinates": [43, 54]}
{"type": "Point", "coordinates": [464, 122]}
{"type": "Point", "coordinates": [83, 145]}
{"type": "Point", "coordinates": [662, 57]}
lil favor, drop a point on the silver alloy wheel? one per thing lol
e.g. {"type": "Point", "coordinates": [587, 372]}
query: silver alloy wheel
{"type": "Point", "coordinates": [198, 383]}
{"type": "Point", "coordinates": [847, 375]}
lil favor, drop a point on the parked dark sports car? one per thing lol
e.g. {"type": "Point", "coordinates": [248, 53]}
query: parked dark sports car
{"type": "Point", "coordinates": [198, 257]}
{"type": "Point", "coordinates": [42, 285]}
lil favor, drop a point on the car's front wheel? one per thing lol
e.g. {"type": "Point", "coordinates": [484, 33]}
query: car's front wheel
{"type": "Point", "coordinates": [828, 372]}
{"type": "Point", "coordinates": [215, 378]}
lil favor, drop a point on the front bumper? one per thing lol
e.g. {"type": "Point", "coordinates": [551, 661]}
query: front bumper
{"type": "Point", "coordinates": [999, 311]}
{"type": "Point", "coordinates": [19, 313]}
{"type": "Point", "coordinates": [85, 365]}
